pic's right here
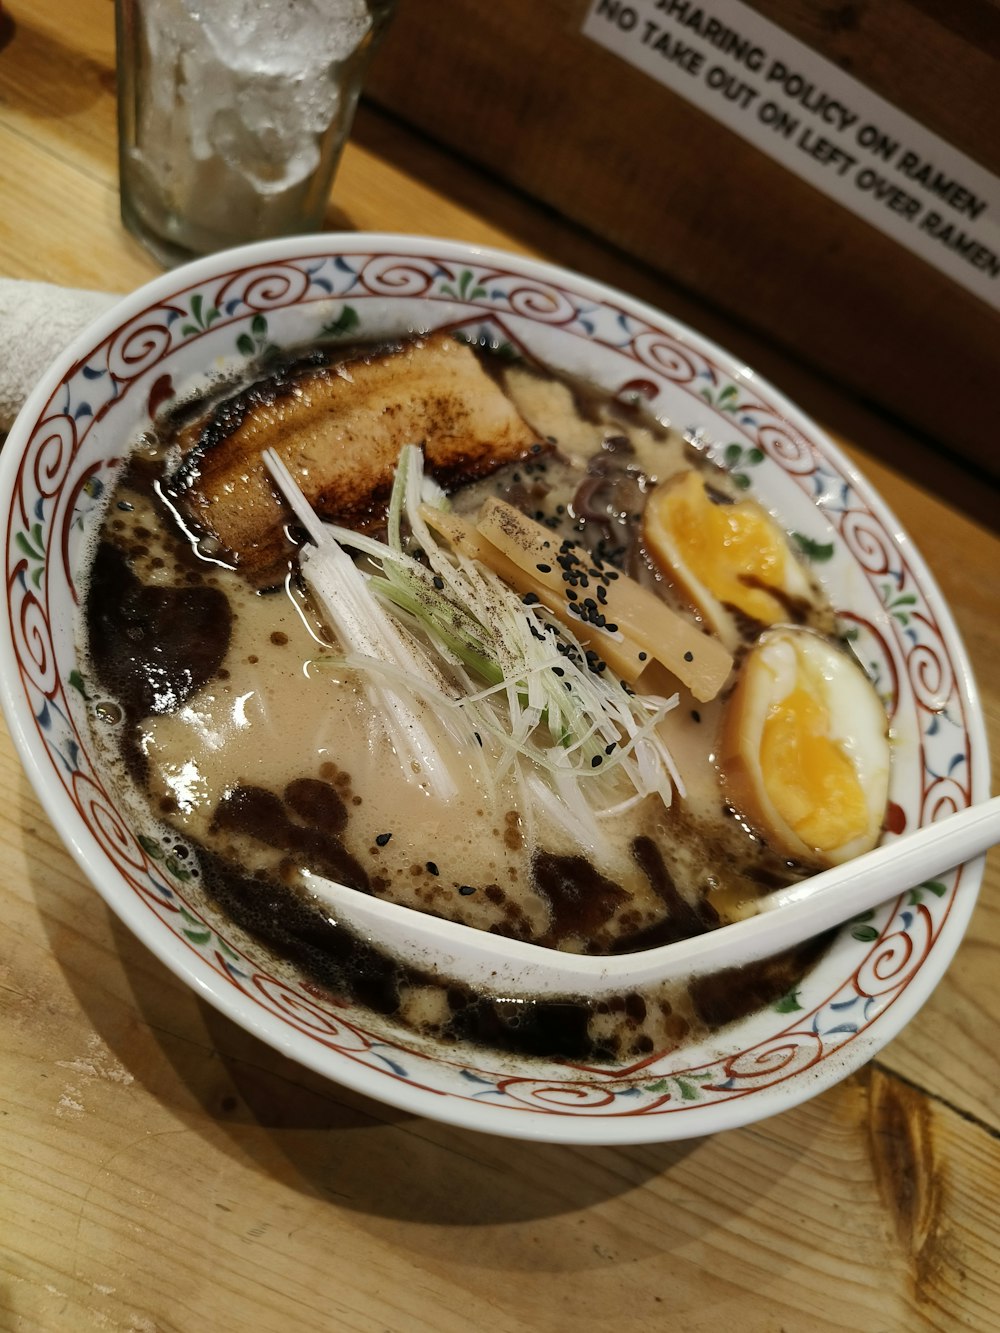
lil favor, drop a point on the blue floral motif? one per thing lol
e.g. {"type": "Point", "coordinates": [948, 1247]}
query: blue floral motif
{"type": "Point", "coordinates": [378, 1049]}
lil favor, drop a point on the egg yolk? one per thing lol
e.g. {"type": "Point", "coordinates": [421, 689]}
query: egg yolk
{"type": "Point", "coordinates": [734, 550]}
{"type": "Point", "coordinates": [810, 780]}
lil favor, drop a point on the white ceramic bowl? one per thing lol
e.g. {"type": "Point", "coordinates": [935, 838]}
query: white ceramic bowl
{"type": "Point", "coordinates": [66, 448]}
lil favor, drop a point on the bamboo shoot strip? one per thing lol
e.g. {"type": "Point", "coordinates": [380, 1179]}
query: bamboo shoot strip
{"type": "Point", "coordinates": [627, 625]}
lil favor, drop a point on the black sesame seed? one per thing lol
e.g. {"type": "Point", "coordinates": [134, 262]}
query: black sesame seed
{"type": "Point", "coordinates": [478, 737]}
{"type": "Point", "coordinates": [466, 889]}
{"type": "Point", "coordinates": [432, 868]}
{"type": "Point", "coordinates": [597, 761]}
{"type": "Point", "coordinates": [689, 656]}
{"type": "Point", "coordinates": [642, 657]}
{"type": "Point", "coordinates": [572, 594]}
{"type": "Point", "coordinates": [438, 582]}
{"type": "Point", "coordinates": [544, 569]}
{"type": "Point", "coordinates": [696, 716]}
{"type": "Point", "coordinates": [530, 599]}
{"type": "Point", "coordinates": [382, 838]}
{"type": "Point", "coordinates": [609, 748]}
{"type": "Point", "coordinates": [612, 629]}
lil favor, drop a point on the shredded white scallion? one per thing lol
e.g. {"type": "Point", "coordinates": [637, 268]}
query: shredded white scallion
{"type": "Point", "coordinates": [431, 629]}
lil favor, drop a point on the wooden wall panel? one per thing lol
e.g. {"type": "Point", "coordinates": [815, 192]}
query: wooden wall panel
{"type": "Point", "coordinates": [516, 88]}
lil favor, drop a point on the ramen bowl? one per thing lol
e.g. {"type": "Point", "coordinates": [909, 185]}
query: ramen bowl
{"type": "Point", "coordinates": [215, 315]}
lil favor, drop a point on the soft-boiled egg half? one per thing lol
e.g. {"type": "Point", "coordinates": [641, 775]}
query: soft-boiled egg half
{"type": "Point", "coordinates": [724, 557]}
{"type": "Point", "coordinates": [804, 748]}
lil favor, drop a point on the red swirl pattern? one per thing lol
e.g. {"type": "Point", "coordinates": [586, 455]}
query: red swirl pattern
{"type": "Point", "coordinates": [543, 304]}
{"type": "Point", "coordinates": [33, 637]}
{"type": "Point", "coordinates": [666, 357]}
{"type": "Point", "coordinates": [944, 797]}
{"type": "Point", "coordinates": [867, 542]}
{"type": "Point", "coordinates": [551, 1095]}
{"type": "Point", "coordinates": [786, 446]}
{"type": "Point", "coordinates": [107, 825]}
{"type": "Point", "coordinates": [896, 957]}
{"type": "Point", "coordinates": [774, 1061]}
{"type": "Point", "coordinates": [931, 677]}
{"type": "Point", "coordinates": [139, 345]}
{"type": "Point", "coordinates": [291, 1004]}
{"type": "Point", "coordinates": [391, 275]}
{"type": "Point", "coordinates": [53, 444]}
{"type": "Point", "coordinates": [263, 289]}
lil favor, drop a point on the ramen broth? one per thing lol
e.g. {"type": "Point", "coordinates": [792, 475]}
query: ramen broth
{"type": "Point", "coordinates": [229, 715]}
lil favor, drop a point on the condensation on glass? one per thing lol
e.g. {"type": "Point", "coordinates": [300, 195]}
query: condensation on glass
{"type": "Point", "coordinates": [232, 114]}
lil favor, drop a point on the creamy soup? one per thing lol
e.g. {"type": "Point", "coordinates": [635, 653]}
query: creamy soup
{"type": "Point", "coordinates": [243, 726]}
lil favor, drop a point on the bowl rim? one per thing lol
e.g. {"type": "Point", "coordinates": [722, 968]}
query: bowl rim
{"type": "Point", "coordinates": [269, 1027]}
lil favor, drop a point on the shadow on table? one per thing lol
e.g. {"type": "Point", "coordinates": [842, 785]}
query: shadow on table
{"type": "Point", "coordinates": [304, 1131]}
{"type": "Point", "coordinates": [76, 80]}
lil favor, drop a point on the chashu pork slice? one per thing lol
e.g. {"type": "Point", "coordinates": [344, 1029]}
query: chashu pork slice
{"type": "Point", "coordinates": [340, 426]}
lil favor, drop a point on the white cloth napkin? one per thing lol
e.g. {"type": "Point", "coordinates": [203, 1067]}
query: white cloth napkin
{"type": "Point", "coordinates": [37, 320]}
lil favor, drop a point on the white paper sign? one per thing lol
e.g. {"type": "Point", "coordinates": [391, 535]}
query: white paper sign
{"type": "Point", "coordinates": [820, 123]}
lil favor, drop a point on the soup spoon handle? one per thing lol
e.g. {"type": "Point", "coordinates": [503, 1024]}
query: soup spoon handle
{"type": "Point", "coordinates": [832, 896]}
{"type": "Point", "coordinates": [781, 920]}
{"type": "Point", "coordinates": [827, 899]}
{"type": "Point", "coordinates": [906, 861]}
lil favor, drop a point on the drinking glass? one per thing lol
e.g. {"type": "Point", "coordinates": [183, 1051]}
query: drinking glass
{"type": "Point", "coordinates": [232, 115]}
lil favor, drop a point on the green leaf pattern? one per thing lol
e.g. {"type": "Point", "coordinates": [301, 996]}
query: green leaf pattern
{"type": "Point", "coordinates": [465, 291]}
{"type": "Point", "coordinates": [685, 1087]}
{"type": "Point", "coordinates": [897, 603]}
{"type": "Point", "coordinates": [346, 322]}
{"type": "Point", "coordinates": [33, 546]}
{"type": "Point", "coordinates": [737, 457]}
{"type": "Point", "coordinates": [817, 552]}
{"type": "Point", "coordinates": [255, 343]}
{"type": "Point", "coordinates": [726, 399]}
{"type": "Point", "coordinates": [201, 319]}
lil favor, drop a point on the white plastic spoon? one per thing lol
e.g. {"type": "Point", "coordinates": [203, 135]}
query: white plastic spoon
{"type": "Point", "coordinates": [781, 919]}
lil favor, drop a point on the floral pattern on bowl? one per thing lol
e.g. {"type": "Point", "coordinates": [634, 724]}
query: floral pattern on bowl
{"type": "Point", "coordinates": [218, 313]}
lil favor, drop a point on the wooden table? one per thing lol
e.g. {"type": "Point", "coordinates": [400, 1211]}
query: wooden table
{"type": "Point", "coordinates": [138, 1126]}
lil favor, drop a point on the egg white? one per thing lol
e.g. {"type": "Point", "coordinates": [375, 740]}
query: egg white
{"type": "Point", "coordinates": [782, 659]}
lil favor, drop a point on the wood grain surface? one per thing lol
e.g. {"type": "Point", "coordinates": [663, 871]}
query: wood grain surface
{"type": "Point", "coordinates": [161, 1169]}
